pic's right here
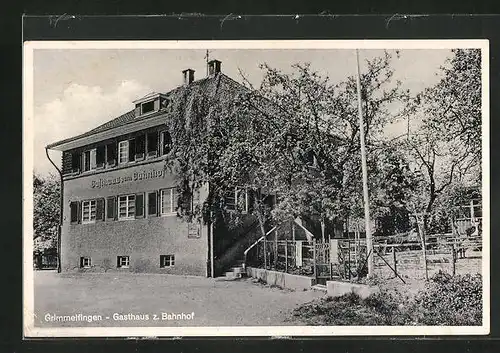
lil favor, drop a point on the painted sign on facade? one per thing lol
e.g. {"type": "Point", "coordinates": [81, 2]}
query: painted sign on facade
{"type": "Point", "coordinates": [135, 176]}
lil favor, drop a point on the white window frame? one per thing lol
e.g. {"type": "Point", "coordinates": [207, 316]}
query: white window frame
{"type": "Point", "coordinates": [126, 156]}
{"type": "Point", "coordinates": [151, 111]}
{"type": "Point", "coordinates": [172, 208]}
{"type": "Point", "coordinates": [236, 200]}
{"type": "Point", "coordinates": [167, 261]}
{"type": "Point", "coordinates": [124, 261]}
{"type": "Point", "coordinates": [87, 206]}
{"type": "Point", "coordinates": [93, 161]}
{"type": "Point", "coordinates": [129, 211]}
{"type": "Point", "coordinates": [86, 262]}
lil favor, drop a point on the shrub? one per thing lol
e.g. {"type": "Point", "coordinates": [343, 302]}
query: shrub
{"type": "Point", "coordinates": [390, 306]}
{"type": "Point", "coordinates": [447, 300]}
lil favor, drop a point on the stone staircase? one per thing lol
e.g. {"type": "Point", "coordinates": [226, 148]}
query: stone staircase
{"type": "Point", "coordinates": [237, 271]}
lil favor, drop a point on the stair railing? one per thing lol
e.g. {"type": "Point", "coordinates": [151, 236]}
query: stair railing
{"type": "Point", "coordinates": [255, 244]}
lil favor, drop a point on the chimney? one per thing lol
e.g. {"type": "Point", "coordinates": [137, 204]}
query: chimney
{"type": "Point", "coordinates": [213, 67]}
{"type": "Point", "coordinates": [188, 76]}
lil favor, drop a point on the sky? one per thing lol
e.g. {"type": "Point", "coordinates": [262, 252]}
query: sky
{"type": "Point", "coordinates": [76, 90]}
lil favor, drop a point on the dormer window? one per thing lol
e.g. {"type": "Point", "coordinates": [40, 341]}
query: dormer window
{"type": "Point", "coordinates": [152, 102]}
{"type": "Point", "coordinates": [147, 107]}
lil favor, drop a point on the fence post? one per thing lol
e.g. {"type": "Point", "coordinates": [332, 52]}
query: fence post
{"type": "Point", "coordinates": [422, 233]}
{"type": "Point", "coordinates": [349, 257]}
{"type": "Point", "coordinates": [286, 256]}
{"type": "Point", "coordinates": [314, 259]}
{"type": "Point", "coordinates": [394, 260]}
{"type": "Point", "coordinates": [453, 259]}
{"type": "Point", "coordinates": [330, 261]}
{"type": "Point", "coordinates": [265, 254]}
{"type": "Point", "coordinates": [276, 250]}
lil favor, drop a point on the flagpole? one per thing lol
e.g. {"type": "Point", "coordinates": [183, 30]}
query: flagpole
{"type": "Point", "coordinates": [369, 243]}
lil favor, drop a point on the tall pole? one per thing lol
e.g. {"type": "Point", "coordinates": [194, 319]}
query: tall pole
{"type": "Point", "coordinates": [369, 245]}
{"type": "Point", "coordinates": [212, 247]}
{"type": "Point", "coordinates": [207, 57]}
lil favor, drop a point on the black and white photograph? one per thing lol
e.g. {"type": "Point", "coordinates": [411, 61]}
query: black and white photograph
{"type": "Point", "coordinates": [256, 188]}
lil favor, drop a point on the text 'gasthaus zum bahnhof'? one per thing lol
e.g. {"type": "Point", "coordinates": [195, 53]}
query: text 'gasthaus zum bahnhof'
{"type": "Point", "coordinates": [162, 316]}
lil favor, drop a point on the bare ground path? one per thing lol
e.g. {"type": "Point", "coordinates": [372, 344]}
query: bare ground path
{"type": "Point", "coordinates": [214, 303]}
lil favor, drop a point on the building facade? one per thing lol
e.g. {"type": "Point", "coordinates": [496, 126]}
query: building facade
{"type": "Point", "coordinates": [119, 200]}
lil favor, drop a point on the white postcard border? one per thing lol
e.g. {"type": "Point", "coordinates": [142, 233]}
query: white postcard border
{"type": "Point", "coordinates": [30, 331]}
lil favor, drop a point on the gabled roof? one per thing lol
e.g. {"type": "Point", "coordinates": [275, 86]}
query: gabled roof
{"type": "Point", "coordinates": [208, 86]}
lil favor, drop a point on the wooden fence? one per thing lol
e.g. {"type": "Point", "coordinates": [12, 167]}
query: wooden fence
{"type": "Point", "coordinates": [347, 258]}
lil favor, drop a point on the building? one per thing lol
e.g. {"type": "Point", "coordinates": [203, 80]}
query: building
{"type": "Point", "coordinates": [119, 201]}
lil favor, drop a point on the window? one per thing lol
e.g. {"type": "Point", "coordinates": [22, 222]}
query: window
{"type": "Point", "coordinates": [237, 198]}
{"type": "Point", "coordinates": [126, 207]}
{"type": "Point", "coordinates": [74, 211]}
{"type": "Point", "coordinates": [89, 160]}
{"type": "Point", "coordinates": [168, 201]}
{"type": "Point", "coordinates": [147, 107]}
{"type": "Point", "coordinates": [88, 211]}
{"type": "Point", "coordinates": [85, 262]}
{"type": "Point", "coordinates": [111, 209]}
{"type": "Point", "coordinates": [230, 199]}
{"type": "Point", "coordinates": [166, 142]}
{"type": "Point", "coordinates": [310, 158]}
{"type": "Point", "coordinates": [139, 205]}
{"type": "Point", "coordinates": [111, 154]}
{"type": "Point", "coordinates": [122, 262]}
{"type": "Point", "coordinates": [152, 203]}
{"type": "Point", "coordinates": [167, 261]}
{"type": "Point", "coordinates": [152, 144]}
{"type": "Point", "coordinates": [123, 150]}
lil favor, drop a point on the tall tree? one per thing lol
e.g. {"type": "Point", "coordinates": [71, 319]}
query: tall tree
{"type": "Point", "coordinates": [46, 210]}
{"type": "Point", "coordinates": [309, 152]}
{"type": "Point", "coordinates": [446, 148]}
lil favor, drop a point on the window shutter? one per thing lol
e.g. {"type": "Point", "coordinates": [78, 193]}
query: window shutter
{"type": "Point", "coordinates": [79, 208]}
{"type": "Point", "coordinates": [152, 204]}
{"type": "Point", "coordinates": [131, 150]}
{"type": "Point", "coordinates": [99, 215]}
{"type": "Point", "coordinates": [100, 155]}
{"type": "Point", "coordinates": [140, 144]}
{"type": "Point", "coordinates": [111, 150]}
{"type": "Point", "coordinates": [166, 142]}
{"type": "Point", "coordinates": [152, 138]}
{"type": "Point", "coordinates": [116, 207]}
{"type": "Point", "coordinates": [93, 158]}
{"type": "Point", "coordinates": [158, 202]}
{"type": "Point", "coordinates": [139, 205]}
{"type": "Point", "coordinates": [251, 199]}
{"type": "Point", "coordinates": [74, 212]}
{"type": "Point", "coordinates": [111, 208]}
{"type": "Point", "coordinates": [75, 161]}
{"type": "Point", "coordinates": [158, 142]}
